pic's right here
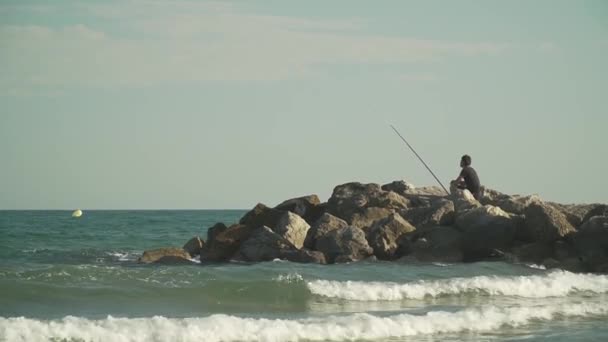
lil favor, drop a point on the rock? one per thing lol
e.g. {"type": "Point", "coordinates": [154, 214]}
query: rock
{"type": "Point", "coordinates": [544, 223]}
{"type": "Point", "coordinates": [154, 255]}
{"type": "Point", "coordinates": [482, 216]}
{"type": "Point", "coordinates": [293, 228]}
{"type": "Point", "coordinates": [348, 199]}
{"type": "Point", "coordinates": [441, 213]}
{"type": "Point", "coordinates": [564, 250]}
{"type": "Point", "coordinates": [400, 187]}
{"type": "Point", "coordinates": [304, 256]}
{"type": "Point", "coordinates": [488, 232]}
{"type": "Point", "coordinates": [385, 233]}
{"type": "Point", "coordinates": [463, 200]}
{"type": "Point", "coordinates": [307, 207]}
{"type": "Point", "coordinates": [591, 243]}
{"type": "Point", "coordinates": [597, 210]}
{"type": "Point", "coordinates": [215, 230]}
{"type": "Point", "coordinates": [571, 264]}
{"type": "Point", "coordinates": [534, 252]}
{"type": "Point", "coordinates": [225, 243]}
{"type": "Point", "coordinates": [194, 246]}
{"type": "Point", "coordinates": [512, 204]}
{"type": "Point", "coordinates": [370, 215]}
{"type": "Point", "coordinates": [326, 223]}
{"type": "Point", "coordinates": [263, 245]}
{"type": "Point", "coordinates": [433, 244]}
{"type": "Point", "coordinates": [424, 197]}
{"type": "Point", "coordinates": [261, 215]}
{"type": "Point", "coordinates": [348, 242]}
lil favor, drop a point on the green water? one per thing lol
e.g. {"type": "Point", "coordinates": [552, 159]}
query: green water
{"type": "Point", "coordinates": [77, 279]}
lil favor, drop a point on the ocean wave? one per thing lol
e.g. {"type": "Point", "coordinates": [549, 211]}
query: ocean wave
{"type": "Point", "coordinates": [554, 284]}
{"type": "Point", "coordinates": [221, 328]}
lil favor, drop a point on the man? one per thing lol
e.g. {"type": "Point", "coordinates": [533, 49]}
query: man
{"type": "Point", "coordinates": [468, 178]}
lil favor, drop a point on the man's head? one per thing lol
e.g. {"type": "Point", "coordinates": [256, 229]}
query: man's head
{"type": "Point", "coordinates": [465, 160]}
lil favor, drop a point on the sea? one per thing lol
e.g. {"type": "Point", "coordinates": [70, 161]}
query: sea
{"type": "Point", "coordinates": [77, 279]}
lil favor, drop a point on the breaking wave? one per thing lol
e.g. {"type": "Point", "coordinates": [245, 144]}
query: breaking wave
{"type": "Point", "coordinates": [218, 328]}
{"type": "Point", "coordinates": [554, 284]}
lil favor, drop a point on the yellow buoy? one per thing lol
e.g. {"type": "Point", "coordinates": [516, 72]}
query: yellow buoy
{"type": "Point", "coordinates": [77, 213]}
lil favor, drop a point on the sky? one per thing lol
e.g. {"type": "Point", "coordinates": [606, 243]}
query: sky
{"type": "Point", "coordinates": [216, 105]}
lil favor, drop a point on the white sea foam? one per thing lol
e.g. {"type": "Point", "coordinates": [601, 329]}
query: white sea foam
{"type": "Point", "coordinates": [289, 278]}
{"type": "Point", "coordinates": [554, 284]}
{"type": "Point", "coordinates": [222, 328]}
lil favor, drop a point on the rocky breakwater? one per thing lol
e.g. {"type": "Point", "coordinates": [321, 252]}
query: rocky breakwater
{"type": "Point", "coordinates": [397, 221]}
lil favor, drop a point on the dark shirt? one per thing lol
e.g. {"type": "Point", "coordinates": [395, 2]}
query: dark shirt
{"type": "Point", "coordinates": [471, 180]}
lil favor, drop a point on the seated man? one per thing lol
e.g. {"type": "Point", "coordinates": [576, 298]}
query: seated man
{"type": "Point", "coordinates": [468, 178]}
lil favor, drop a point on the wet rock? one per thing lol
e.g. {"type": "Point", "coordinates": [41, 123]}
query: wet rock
{"type": "Point", "coordinates": [433, 244]}
{"type": "Point", "coordinates": [534, 252]}
{"type": "Point", "coordinates": [591, 244]}
{"type": "Point", "coordinates": [544, 223]}
{"type": "Point", "coordinates": [326, 223]}
{"type": "Point", "coordinates": [293, 228]}
{"type": "Point", "coordinates": [383, 236]}
{"type": "Point", "coordinates": [173, 260]}
{"type": "Point", "coordinates": [488, 232]}
{"type": "Point", "coordinates": [304, 256]}
{"type": "Point", "coordinates": [263, 245]}
{"type": "Point", "coordinates": [194, 246]}
{"type": "Point", "coordinates": [225, 243]}
{"type": "Point", "coordinates": [347, 243]}
{"type": "Point", "coordinates": [154, 255]}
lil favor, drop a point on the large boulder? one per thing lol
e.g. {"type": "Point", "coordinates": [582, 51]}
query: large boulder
{"type": "Point", "coordinates": [488, 232]}
{"type": "Point", "coordinates": [304, 256]}
{"type": "Point", "coordinates": [489, 239]}
{"type": "Point", "coordinates": [261, 215]}
{"type": "Point", "coordinates": [293, 228]}
{"type": "Point", "coordinates": [441, 213]}
{"type": "Point", "coordinates": [326, 223]}
{"type": "Point", "coordinates": [432, 244]}
{"type": "Point", "coordinates": [424, 196]}
{"type": "Point", "coordinates": [463, 200]}
{"type": "Point", "coordinates": [544, 223]}
{"type": "Point", "coordinates": [194, 246]}
{"type": "Point", "coordinates": [307, 207]}
{"type": "Point", "coordinates": [534, 252]}
{"type": "Point", "coordinates": [515, 204]}
{"type": "Point", "coordinates": [215, 230]}
{"type": "Point", "coordinates": [225, 243]}
{"type": "Point", "coordinates": [401, 187]}
{"type": "Point", "coordinates": [368, 216]}
{"type": "Point", "coordinates": [263, 245]}
{"type": "Point", "coordinates": [348, 199]}
{"type": "Point", "coordinates": [481, 216]}
{"type": "Point", "coordinates": [170, 253]}
{"type": "Point", "coordinates": [347, 243]}
{"type": "Point", "coordinates": [383, 236]}
{"type": "Point", "coordinates": [591, 244]}
{"type": "Point", "coordinates": [595, 210]}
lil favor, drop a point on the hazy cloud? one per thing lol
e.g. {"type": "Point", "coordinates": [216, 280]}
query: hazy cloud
{"type": "Point", "coordinates": [187, 41]}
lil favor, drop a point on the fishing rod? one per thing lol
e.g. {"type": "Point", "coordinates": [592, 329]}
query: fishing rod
{"type": "Point", "coordinates": [427, 167]}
